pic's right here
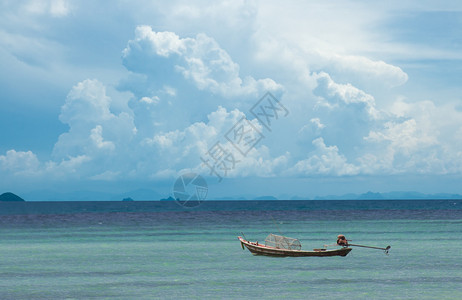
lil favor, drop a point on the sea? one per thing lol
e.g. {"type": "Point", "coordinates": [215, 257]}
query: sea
{"type": "Point", "coordinates": [166, 250]}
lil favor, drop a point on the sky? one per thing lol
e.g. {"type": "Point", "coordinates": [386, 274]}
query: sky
{"type": "Point", "coordinates": [293, 98]}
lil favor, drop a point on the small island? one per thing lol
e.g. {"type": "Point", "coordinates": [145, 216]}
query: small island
{"type": "Point", "coordinates": [10, 197]}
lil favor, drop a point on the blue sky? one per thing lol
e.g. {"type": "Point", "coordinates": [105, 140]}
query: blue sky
{"type": "Point", "coordinates": [113, 96]}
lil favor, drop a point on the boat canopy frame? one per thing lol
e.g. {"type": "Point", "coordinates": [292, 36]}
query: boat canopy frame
{"type": "Point", "coordinates": [282, 242]}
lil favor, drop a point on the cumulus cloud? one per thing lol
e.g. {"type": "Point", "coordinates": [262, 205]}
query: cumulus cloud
{"type": "Point", "coordinates": [96, 136]}
{"type": "Point", "coordinates": [312, 129]}
{"type": "Point", "coordinates": [258, 162]}
{"type": "Point", "coordinates": [406, 148]}
{"type": "Point", "coordinates": [324, 160]}
{"type": "Point", "coordinates": [171, 121]}
{"type": "Point", "coordinates": [190, 147]}
{"type": "Point", "coordinates": [95, 133]}
{"type": "Point", "coordinates": [338, 96]}
{"type": "Point", "coordinates": [199, 60]}
{"type": "Point", "coordinates": [97, 142]}
{"type": "Point", "coordinates": [19, 162]}
{"type": "Point", "coordinates": [86, 103]}
{"type": "Point", "coordinates": [375, 75]}
{"type": "Point", "coordinates": [25, 164]}
{"type": "Point", "coordinates": [341, 114]}
{"type": "Point", "coordinates": [101, 145]}
{"type": "Point", "coordinates": [184, 147]}
{"type": "Point", "coordinates": [87, 111]}
{"type": "Point", "coordinates": [71, 167]}
{"type": "Point", "coordinates": [409, 137]}
{"type": "Point", "coordinates": [417, 138]}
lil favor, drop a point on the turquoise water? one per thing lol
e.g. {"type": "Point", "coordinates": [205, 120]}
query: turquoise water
{"type": "Point", "coordinates": [172, 252]}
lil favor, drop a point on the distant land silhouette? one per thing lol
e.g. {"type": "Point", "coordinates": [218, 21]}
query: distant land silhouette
{"type": "Point", "coordinates": [266, 198]}
{"type": "Point", "coordinates": [10, 197]}
{"type": "Point", "coordinates": [153, 195]}
{"type": "Point", "coordinates": [401, 195]}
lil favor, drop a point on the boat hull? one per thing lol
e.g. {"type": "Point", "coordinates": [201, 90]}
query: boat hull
{"type": "Point", "coordinates": [258, 249]}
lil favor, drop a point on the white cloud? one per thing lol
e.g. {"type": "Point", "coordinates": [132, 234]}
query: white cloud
{"type": "Point", "coordinates": [97, 143]}
{"type": "Point", "coordinates": [260, 163]}
{"type": "Point", "coordinates": [150, 100]}
{"type": "Point", "coordinates": [95, 134]}
{"type": "Point", "coordinates": [56, 8]}
{"type": "Point", "coordinates": [200, 60]}
{"type": "Point", "coordinates": [161, 43]}
{"type": "Point", "coordinates": [337, 96]}
{"type": "Point", "coordinates": [88, 107]}
{"type": "Point", "coordinates": [19, 162]}
{"type": "Point", "coordinates": [86, 103]}
{"type": "Point", "coordinates": [71, 167]}
{"type": "Point", "coordinates": [181, 149]}
{"type": "Point", "coordinates": [336, 31]}
{"type": "Point", "coordinates": [25, 164]}
{"type": "Point", "coordinates": [342, 37]}
{"type": "Point", "coordinates": [325, 160]}
{"type": "Point", "coordinates": [19, 46]}
{"type": "Point", "coordinates": [403, 135]}
{"type": "Point", "coordinates": [406, 148]}
{"type": "Point", "coordinates": [317, 123]}
{"type": "Point", "coordinates": [367, 70]}
{"type": "Point", "coordinates": [59, 8]}
{"type": "Point", "coordinates": [97, 137]}
{"type": "Point", "coordinates": [421, 138]}
{"type": "Point", "coordinates": [168, 90]}
{"type": "Point", "coordinates": [312, 129]}
{"type": "Point", "coordinates": [339, 110]}
{"type": "Point", "coordinates": [411, 137]}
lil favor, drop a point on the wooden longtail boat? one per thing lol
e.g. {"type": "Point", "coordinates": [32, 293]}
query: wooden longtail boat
{"type": "Point", "coordinates": [288, 250]}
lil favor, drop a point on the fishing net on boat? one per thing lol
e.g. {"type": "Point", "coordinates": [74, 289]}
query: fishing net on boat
{"type": "Point", "coordinates": [282, 242]}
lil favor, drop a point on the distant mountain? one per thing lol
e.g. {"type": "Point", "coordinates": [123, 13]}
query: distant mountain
{"type": "Point", "coordinates": [416, 195]}
{"type": "Point", "coordinates": [370, 196]}
{"type": "Point", "coordinates": [49, 195]}
{"type": "Point", "coordinates": [152, 195]}
{"type": "Point", "coordinates": [266, 198]}
{"type": "Point", "coordinates": [406, 195]}
{"type": "Point", "coordinates": [298, 198]}
{"type": "Point", "coordinates": [83, 195]}
{"type": "Point", "coordinates": [11, 197]}
{"type": "Point", "coordinates": [228, 198]}
{"type": "Point", "coordinates": [400, 195]}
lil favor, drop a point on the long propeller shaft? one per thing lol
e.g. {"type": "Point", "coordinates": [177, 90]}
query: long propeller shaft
{"type": "Point", "coordinates": [371, 247]}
